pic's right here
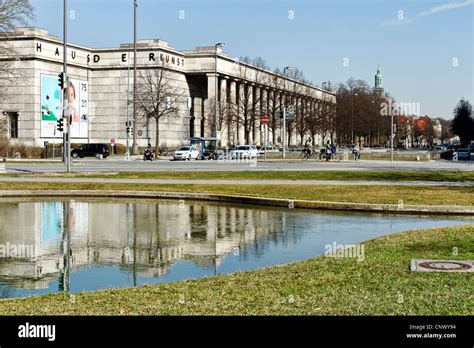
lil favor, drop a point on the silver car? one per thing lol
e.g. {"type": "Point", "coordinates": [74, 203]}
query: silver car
{"type": "Point", "coordinates": [244, 151]}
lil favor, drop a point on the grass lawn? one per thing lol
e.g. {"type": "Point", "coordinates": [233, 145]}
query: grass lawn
{"type": "Point", "coordinates": [382, 284]}
{"type": "Point", "coordinates": [390, 194]}
{"type": "Point", "coordinates": [410, 175]}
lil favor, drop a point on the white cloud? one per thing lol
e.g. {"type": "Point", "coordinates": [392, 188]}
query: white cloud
{"type": "Point", "coordinates": [433, 10]}
{"type": "Point", "coordinates": [446, 7]}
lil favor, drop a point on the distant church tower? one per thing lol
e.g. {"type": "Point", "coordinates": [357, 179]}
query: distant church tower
{"type": "Point", "coordinates": [378, 82]}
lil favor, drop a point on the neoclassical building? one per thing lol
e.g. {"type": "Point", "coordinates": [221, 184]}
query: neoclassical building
{"type": "Point", "coordinates": [102, 85]}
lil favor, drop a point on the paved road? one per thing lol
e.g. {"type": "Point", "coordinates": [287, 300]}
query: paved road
{"type": "Point", "coordinates": [116, 165]}
{"type": "Point", "coordinates": [239, 182]}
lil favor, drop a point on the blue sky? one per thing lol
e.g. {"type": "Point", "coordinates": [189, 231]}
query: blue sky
{"type": "Point", "coordinates": [417, 53]}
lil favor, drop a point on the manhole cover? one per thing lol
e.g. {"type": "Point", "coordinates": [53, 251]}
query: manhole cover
{"type": "Point", "coordinates": [442, 265]}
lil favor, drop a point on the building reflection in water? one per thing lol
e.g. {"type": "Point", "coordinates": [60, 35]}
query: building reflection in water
{"type": "Point", "coordinates": [142, 238]}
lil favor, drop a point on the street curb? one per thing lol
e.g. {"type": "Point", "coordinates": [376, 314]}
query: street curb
{"type": "Point", "coordinates": [399, 208]}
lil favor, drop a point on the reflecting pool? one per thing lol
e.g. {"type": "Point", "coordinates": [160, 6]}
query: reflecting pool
{"type": "Point", "coordinates": [50, 246]}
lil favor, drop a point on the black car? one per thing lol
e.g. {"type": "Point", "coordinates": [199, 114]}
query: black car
{"type": "Point", "coordinates": [91, 150]}
{"type": "Point", "coordinates": [210, 155]}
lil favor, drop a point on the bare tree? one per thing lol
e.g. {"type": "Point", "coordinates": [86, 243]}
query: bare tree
{"type": "Point", "coordinates": [275, 103]}
{"type": "Point", "coordinates": [12, 13]}
{"type": "Point", "coordinates": [327, 118]}
{"type": "Point", "coordinates": [224, 115]}
{"type": "Point", "coordinates": [312, 121]}
{"type": "Point", "coordinates": [158, 97]}
{"type": "Point", "coordinates": [245, 111]}
{"type": "Point", "coordinates": [359, 114]}
{"type": "Point", "coordinates": [292, 90]}
{"type": "Point", "coordinates": [303, 115]}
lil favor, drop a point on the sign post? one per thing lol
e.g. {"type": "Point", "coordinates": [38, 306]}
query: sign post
{"type": "Point", "coordinates": [391, 138]}
{"type": "Point", "coordinates": [284, 131]}
{"type": "Point", "coordinates": [112, 142]}
{"type": "Point", "coordinates": [129, 131]}
{"type": "Point", "coordinates": [264, 123]}
{"type": "Point", "coordinates": [54, 139]}
{"type": "Point", "coordinates": [284, 115]}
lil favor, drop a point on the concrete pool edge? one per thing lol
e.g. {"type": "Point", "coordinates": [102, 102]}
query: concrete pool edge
{"type": "Point", "coordinates": [399, 208]}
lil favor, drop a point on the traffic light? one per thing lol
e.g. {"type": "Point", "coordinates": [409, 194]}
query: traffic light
{"type": "Point", "coordinates": [128, 124]}
{"type": "Point", "coordinates": [62, 80]}
{"type": "Point", "coordinates": [60, 126]}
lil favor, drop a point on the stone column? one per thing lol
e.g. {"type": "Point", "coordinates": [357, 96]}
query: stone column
{"type": "Point", "coordinates": [312, 115]}
{"type": "Point", "coordinates": [257, 113]}
{"type": "Point", "coordinates": [302, 110]}
{"type": "Point", "coordinates": [233, 109]}
{"type": "Point", "coordinates": [240, 126]}
{"type": "Point", "coordinates": [271, 114]}
{"type": "Point", "coordinates": [192, 117]}
{"type": "Point", "coordinates": [283, 103]}
{"type": "Point", "coordinates": [251, 116]}
{"type": "Point", "coordinates": [198, 116]}
{"type": "Point", "coordinates": [277, 108]}
{"type": "Point", "coordinates": [319, 110]}
{"type": "Point", "coordinates": [209, 104]}
{"type": "Point", "coordinates": [223, 111]}
{"type": "Point", "coordinates": [263, 111]}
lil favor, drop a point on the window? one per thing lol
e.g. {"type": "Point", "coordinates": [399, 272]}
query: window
{"type": "Point", "coordinates": [13, 124]}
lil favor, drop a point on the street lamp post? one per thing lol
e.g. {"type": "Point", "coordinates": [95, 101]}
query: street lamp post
{"type": "Point", "coordinates": [370, 133]}
{"type": "Point", "coordinates": [284, 109]}
{"type": "Point", "coordinates": [216, 129]}
{"type": "Point", "coordinates": [135, 144]}
{"type": "Point", "coordinates": [391, 137]}
{"type": "Point", "coordinates": [66, 114]}
{"type": "Point", "coordinates": [128, 111]}
{"type": "Point", "coordinates": [352, 118]}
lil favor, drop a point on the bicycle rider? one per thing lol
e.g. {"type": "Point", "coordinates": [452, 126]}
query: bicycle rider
{"type": "Point", "coordinates": [328, 150]}
{"type": "Point", "coordinates": [307, 148]}
{"type": "Point", "coordinates": [333, 151]}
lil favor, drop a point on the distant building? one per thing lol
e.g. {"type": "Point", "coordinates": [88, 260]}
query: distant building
{"type": "Point", "coordinates": [412, 131]}
{"type": "Point", "coordinates": [100, 92]}
{"type": "Point", "coordinates": [378, 88]}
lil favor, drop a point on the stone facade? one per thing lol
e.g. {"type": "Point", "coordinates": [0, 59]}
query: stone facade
{"type": "Point", "coordinates": [109, 74]}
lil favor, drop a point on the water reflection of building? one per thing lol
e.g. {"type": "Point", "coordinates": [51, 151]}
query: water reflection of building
{"type": "Point", "coordinates": [143, 238]}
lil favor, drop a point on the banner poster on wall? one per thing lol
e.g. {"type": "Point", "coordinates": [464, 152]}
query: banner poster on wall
{"type": "Point", "coordinates": [78, 94]}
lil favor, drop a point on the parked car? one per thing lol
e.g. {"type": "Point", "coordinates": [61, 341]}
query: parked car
{"type": "Point", "coordinates": [244, 151]}
{"type": "Point", "coordinates": [440, 148]}
{"type": "Point", "coordinates": [186, 153]}
{"type": "Point", "coordinates": [463, 154]}
{"type": "Point", "coordinates": [447, 155]}
{"type": "Point", "coordinates": [210, 155]}
{"type": "Point", "coordinates": [91, 150]}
